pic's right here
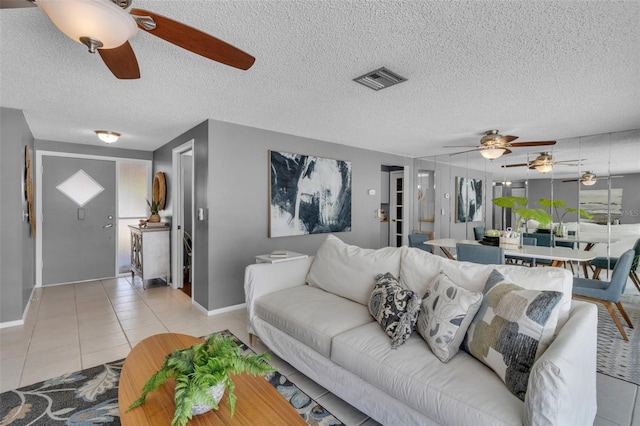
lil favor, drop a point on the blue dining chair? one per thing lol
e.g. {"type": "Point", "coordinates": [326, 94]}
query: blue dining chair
{"type": "Point", "coordinates": [542, 240]}
{"type": "Point", "coordinates": [568, 244]}
{"type": "Point", "coordinates": [608, 293]}
{"type": "Point", "coordinates": [600, 263]}
{"type": "Point", "coordinates": [488, 255]}
{"type": "Point", "coordinates": [478, 232]}
{"type": "Point", "coordinates": [527, 241]}
{"type": "Point", "coordinates": [417, 240]}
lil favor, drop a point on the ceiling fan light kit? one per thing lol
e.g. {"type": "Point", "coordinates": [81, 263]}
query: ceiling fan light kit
{"type": "Point", "coordinates": [544, 168]}
{"type": "Point", "coordinates": [107, 136]}
{"type": "Point", "coordinates": [492, 153]}
{"type": "Point", "coordinates": [97, 24]}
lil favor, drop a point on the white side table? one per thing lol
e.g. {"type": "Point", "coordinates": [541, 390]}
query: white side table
{"type": "Point", "coordinates": [266, 258]}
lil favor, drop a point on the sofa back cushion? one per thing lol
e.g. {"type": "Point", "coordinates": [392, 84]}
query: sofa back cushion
{"type": "Point", "coordinates": [349, 271]}
{"type": "Point", "coordinates": [418, 269]}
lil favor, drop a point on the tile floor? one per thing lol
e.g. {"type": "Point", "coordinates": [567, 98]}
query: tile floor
{"type": "Point", "coordinates": [77, 326]}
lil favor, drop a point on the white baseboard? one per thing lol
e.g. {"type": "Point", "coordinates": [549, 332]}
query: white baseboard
{"type": "Point", "coordinates": [19, 322]}
{"type": "Point", "coordinates": [219, 310]}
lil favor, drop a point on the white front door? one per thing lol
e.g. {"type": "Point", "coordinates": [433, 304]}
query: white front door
{"type": "Point", "coordinates": [78, 219]}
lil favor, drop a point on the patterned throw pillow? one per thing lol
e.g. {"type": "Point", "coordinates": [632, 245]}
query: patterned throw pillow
{"type": "Point", "coordinates": [445, 314]}
{"type": "Point", "coordinates": [511, 324]}
{"type": "Point", "coordinates": [394, 307]}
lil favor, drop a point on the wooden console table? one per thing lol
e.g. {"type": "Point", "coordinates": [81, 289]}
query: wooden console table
{"type": "Point", "coordinates": [258, 401]}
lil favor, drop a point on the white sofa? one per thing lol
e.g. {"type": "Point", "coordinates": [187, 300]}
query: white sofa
{"type": "Point", "coordinates": [331, 337]}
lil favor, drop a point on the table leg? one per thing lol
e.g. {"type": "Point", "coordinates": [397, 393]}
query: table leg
{"type": "Point", "coordinates": [447, 253]}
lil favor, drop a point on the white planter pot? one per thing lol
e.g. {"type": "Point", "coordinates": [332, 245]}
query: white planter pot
{"type": "Point", "coordinates": [217, 391]}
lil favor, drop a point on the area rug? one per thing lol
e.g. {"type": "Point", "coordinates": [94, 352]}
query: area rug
{"type": "Point", "coordinates": [90, 397]}
{"type": "Point", "coordinates": [617, 357]}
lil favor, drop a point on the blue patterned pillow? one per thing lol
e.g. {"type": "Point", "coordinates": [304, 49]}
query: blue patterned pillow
{"type": "Point", "coordinates": [510, 327]}
{"type": "Point", "coordinates": [395, 308]}
{"type": "Point", "coordinates": [445, 314]}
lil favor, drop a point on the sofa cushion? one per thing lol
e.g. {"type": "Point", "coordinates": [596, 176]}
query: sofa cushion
{"type": "Point", "coordinates": [419, 268]}
{"type": "Point", "coordinates": [509, 328]}
{"type": "Point", "coordinates": [311, 315]}
{"type": "Point", "coordinates": [395, 308]}
{"type": "Point", "coordinates": [462, 392]}
{"type": "Point", "coordinates": [445, 314]}
{"type": "Point", "coordinates": [349, 271]}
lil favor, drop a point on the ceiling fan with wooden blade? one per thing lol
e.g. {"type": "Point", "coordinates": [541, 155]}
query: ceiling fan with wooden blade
{"type": "Point", "coordinates": [590, 178]}
{"type": "Point", "coordinates": [544, 163]}
{"type": "Point", "coordinates": [494, 145]}
{"type": "Point", "coordinates": [104, 26]}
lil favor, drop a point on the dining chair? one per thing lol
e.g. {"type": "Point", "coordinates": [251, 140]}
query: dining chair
{"type": "Point", "coordinates": [542, 240]}
{"type": "Point", "coordinates": [188, 259]}
{"type": "Point", "coordinates": [571, 245]}
{"type": "Point", "coordinates": [478, 232]}
{"type": "Point", "coordinates": [417, 240]}
{"type": "Point", "coordinates": [488, 255]}
{"type": "Point", "coordinates": [527, 241]}
{"type": "Point", "coordinates": [608, 293]}
{"type": "Point", "coordinates": [601, 263]}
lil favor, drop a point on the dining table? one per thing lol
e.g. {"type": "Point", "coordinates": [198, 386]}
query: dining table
{"type": "Point", "coordinates": [557, 255]}
{"type": "Point", "coordinates": [590, 240]}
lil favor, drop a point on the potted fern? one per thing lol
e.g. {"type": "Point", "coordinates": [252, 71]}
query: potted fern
{"type": "Point", "coordinates": [560, 229]}
{"type": "Point", "coordinates": [202, 373]}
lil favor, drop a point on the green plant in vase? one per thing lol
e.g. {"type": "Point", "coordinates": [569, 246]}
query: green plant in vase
{"type": "Point", "coordinates": [518, 205]}
{"type": "Point", "coordinates": [154, 208]}
{"type": "Point", "coordinates": [202, 373]}
{"type": "Point", "coordinates": [557, 204]}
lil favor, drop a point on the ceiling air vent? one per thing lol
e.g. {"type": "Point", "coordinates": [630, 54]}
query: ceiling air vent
{"type": "Point", "coordinates": [380, 79]}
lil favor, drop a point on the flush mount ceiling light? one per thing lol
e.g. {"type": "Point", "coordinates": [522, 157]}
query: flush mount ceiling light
{"type": "Point", "coordinates": [97, 24]}
{"type": "Point", "coordinates": [107, 136]}
{"type": "Point", "coordinates": [379, 79]}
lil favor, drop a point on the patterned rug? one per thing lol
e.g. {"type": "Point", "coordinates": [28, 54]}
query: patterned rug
{"type": "Point", "coordinates": [616, 357]}
{"type": "Point", "coordinates": [90, 397]}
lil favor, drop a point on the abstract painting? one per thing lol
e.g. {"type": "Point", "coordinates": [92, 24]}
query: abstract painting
{"type": "Point", "coordinates": [308, 195]}
{"type": "Point", "coordinates": [469, 200]}
{"type": "Point", "coordinates": [598, 203]}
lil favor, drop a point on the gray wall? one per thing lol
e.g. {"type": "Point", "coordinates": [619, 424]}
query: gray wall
{"type": "Point", "coordinates": [17, 246]}
{"type": "Point", "coordinates": [162, 161]}
{"type": "Point", "coordinates": [238, 188]}
{"type": "Point", "coordinates": [568, 192]}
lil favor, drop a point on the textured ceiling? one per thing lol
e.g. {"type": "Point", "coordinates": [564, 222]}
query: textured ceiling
{"type": "Point", "coordinates": [537, 69]}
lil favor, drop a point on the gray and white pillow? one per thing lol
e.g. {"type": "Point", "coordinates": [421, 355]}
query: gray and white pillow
{"type": "Point", "coordinates": [394, 307]}
{"type": "Point", "coordinates": [511, 327]}
{"type": "Point", "coordinates": [445, 314]}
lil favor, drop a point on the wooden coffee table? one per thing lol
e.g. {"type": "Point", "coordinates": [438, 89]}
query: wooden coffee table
{"type": "Point", "coordinates": [258, 401]}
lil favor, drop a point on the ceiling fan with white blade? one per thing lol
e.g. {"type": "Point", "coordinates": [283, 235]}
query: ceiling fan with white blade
{"type": "Point", "coordinates": [104, 26]}
{"type": "Point", "coordinates": [590, 178]}
{"type": "Point", "coordinates": [494, 145]}
{"type": "Point", "coordinates": [544, 163]}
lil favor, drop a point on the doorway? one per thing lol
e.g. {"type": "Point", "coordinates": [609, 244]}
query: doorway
{"type": "Point", "coordinates": [393, 204]}
{"type": "Point", "coordinates": [183, 236]}
{"type": "Point", "coordinates": [79, 233]}
{"type": "Point", "coordinates": [84, 204]}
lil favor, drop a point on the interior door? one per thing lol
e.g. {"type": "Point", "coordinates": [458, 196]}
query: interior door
{"type": "Point", "coordinates": [79, 219]}
{"type": "Point", "coordinates": [396, 208]}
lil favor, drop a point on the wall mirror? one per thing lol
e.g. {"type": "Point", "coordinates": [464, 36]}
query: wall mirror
{"type": "Point", "coordinates": [599, 174]}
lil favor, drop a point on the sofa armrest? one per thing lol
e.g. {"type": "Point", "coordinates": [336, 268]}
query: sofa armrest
{"type": "Point", "coordinates": [265, 278]}
{"type": "Point", "coordinates": [562, 383]}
